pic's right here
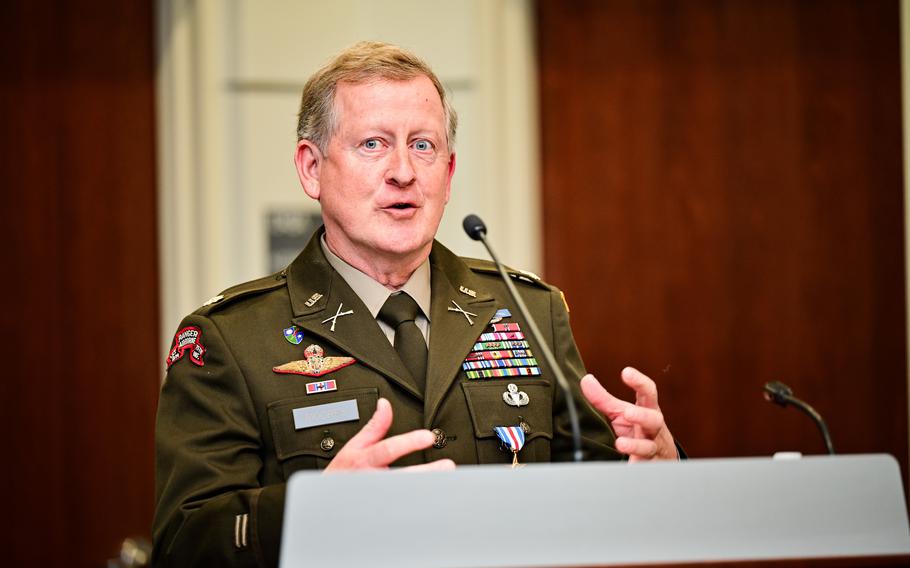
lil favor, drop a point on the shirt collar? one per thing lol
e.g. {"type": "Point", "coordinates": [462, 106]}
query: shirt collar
{"type": "Point", "coordinates": [372, 293]}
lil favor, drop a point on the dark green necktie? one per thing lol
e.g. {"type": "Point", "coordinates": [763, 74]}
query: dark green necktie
{"type": "Point", "coordinates": [399, 312]}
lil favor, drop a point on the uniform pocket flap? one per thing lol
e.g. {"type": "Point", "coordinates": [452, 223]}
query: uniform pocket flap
{"type": "Point", "coordinates": [323, 424]}
{"type": "Point", "coordinates": [489, 409]}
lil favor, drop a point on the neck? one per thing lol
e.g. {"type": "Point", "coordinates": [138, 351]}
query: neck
{"type": "Point", "coordinates": [392, 271]}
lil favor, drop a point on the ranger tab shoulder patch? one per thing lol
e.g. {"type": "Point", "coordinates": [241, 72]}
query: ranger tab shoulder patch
{"type": "Point", "coordinates": [187, 339]}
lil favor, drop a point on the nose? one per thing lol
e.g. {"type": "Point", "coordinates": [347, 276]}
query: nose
{"type": "Point", "coordinates": [401, 171]}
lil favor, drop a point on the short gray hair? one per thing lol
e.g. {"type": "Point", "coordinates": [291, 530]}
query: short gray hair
{"type": "Point", "coordinates": [363, 61]}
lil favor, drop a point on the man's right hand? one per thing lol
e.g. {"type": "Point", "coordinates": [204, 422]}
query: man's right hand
{"type": "Point", "coordinates": [369, 450]}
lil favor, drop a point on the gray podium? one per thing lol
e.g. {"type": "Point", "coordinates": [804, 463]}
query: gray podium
{"type": "Point", "coordinates": [598, 514]}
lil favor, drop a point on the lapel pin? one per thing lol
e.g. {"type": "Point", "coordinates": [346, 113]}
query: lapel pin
{"type": "Point", "coordinates": [312, 300]}
{"type": "Point", "coordinates": [337, 315]}
{"type": "Point", "coordinates": [460, 310]}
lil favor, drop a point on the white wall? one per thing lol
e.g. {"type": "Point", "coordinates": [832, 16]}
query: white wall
{"type": "Point", "coordinates": [230, 74]}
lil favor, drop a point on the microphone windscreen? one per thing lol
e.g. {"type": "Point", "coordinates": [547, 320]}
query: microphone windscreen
{"type": "Point", "coordinates": [778, 393]}
{"type": "Point", "coordinates": [474, 227]}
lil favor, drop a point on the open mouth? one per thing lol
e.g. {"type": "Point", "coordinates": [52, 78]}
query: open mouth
{"type": "Point", "coordinates": [402, 206]}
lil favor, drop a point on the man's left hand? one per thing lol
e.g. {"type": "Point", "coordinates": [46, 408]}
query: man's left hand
{"type": "Point", "coordinates": [640, 427]}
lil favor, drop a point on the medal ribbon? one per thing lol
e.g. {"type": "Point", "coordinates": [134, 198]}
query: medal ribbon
{"type": "Point", "coordinates": [512, 436]}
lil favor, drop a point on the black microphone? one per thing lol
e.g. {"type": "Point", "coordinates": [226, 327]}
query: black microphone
{"type": "Point", "coordinates": [477, 230]}
{"type": "Point", "coordinates": [780, 394]}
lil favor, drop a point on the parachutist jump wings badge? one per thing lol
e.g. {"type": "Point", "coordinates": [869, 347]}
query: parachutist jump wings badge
{"type": "Point", "coordinates": [315, 363]}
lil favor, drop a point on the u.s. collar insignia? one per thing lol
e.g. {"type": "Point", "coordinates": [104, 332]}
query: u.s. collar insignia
{"type": "Point", "coordinates": [315, 363]}
{"type": "Point", "coordinates": [293, 335]}
{"type": "Point", "coordinates": [467, 291]}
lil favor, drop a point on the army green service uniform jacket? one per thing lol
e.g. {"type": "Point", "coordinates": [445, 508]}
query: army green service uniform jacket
{"type": "Point", "coordinates": [226, 438]}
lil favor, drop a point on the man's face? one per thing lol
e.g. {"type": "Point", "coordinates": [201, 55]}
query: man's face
{"type": "Point", "coordinates": [385, 178]}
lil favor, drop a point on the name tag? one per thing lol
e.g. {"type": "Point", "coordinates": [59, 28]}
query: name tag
{"type": "Point", "coordinates": [323, 414]}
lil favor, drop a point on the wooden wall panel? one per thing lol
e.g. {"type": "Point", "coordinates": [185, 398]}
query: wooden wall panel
{"type": "Point", "coordinates": [80, 291]}
{"type": "Point", "coordinates": [723, 206]}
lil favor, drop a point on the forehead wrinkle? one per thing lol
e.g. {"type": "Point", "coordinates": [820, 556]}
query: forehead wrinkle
{"type": "Point", "coordinates": [426, 106]}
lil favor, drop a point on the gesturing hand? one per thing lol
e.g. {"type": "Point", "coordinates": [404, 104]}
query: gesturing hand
{"type": "Point", "coordinates": [640, 427]}
{"type": "Point", "coordinates": [368, 450]}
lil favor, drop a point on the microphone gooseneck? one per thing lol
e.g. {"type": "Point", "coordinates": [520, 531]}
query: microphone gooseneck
{"type": "Point", "coordinates": [782, 395]}
{"type": "Point", "coordinates": [477, 230]}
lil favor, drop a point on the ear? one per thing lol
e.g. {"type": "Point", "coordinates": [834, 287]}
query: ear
{"type": "Point", "coordinates": [308, 159]}
{"type": "Point", "coordinates": [451, 173]}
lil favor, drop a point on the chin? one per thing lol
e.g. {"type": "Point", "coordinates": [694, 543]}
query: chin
{"type": "Point", "coordinates": [403, 242]}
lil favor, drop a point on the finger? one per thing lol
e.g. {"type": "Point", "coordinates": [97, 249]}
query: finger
{"type": "Point", "coordinates": [650, 420]}
{"type": "Point", "coordinates": [375, 429]}
{"type": "Point", "coordinates": [645, 389]}
{"type": "Point", "coordinates": [600, 399]}
{"type": "Point", "coordinates": [383, 453]}
{"type": "Point", "coordinates": [637, 447]}
{"type": "Point", "coordinates": [438, 465]}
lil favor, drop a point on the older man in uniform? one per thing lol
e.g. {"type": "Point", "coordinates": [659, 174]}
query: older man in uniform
{"type": "Point", "coordinates": [377, 346]}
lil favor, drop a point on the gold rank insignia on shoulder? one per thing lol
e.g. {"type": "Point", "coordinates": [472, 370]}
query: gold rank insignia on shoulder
{"type": "Point", "coordinates": [314, 364]}
{"type": "Point", "coordinates": [213, 300]}
{"type": "Point", "coordinates": [528, 274]}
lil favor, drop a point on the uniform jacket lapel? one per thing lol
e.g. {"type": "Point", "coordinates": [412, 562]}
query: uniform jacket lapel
{"type": "Point", "coordinates": [451, 336]}
{"type": "Point", "coordinates": [358, 334]}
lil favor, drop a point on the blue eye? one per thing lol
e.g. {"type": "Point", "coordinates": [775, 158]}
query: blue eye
{"type": "Point", "coordinates": [371, 144]}
{"type": "Point", "coordinates": [423, 145]}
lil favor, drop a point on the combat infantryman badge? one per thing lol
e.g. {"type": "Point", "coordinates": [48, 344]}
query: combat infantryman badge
{"type": "Point", "coordinates": [501, 313]}
{"type": "Point", "coordinates": [315, 363]}
{"type": "Point", "coordinates": [187, 339]}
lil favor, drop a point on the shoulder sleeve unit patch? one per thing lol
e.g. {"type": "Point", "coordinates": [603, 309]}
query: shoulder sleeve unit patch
{"type": "Point", "coordinates": [187, 339]}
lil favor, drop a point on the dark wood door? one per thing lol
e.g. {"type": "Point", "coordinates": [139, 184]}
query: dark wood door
{"type": "Point", "coordinates": [722, 190]}
{"type": "Point", "coordinates": [80, 314]}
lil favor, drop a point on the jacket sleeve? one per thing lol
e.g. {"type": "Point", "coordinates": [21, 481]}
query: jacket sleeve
{"type": "Point", "coordinates": [597, 436]}
{"type": "Point", "coordinates": [211, 509]}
